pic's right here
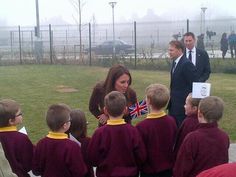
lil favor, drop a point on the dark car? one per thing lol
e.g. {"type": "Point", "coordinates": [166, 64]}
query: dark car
{"type": "Point", "coordinates": [106, 48]}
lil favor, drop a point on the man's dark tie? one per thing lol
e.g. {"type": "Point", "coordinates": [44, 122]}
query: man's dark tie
{"type": "Point", "coordinates": [173, 67]}
{"type": "Point", "coordinates": [190, 55]}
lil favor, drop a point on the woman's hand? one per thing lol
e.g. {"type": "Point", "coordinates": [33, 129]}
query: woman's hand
{"type": "Point", "coordinates": [103, 119]}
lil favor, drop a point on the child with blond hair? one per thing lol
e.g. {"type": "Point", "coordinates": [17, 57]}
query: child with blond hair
{"type": "Point", "coordinates": [190, 123]}
{"type": "Point", "coordinates": [158, 132]}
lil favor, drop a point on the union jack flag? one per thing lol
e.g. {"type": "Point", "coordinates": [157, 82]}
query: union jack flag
{"type": "Point", "coordinates": [138, 109]}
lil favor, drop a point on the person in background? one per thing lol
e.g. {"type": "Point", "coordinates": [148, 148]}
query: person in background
{"type": "Point", "coordinates": [190, 123]}
{"type": "Point", "coordinates": [208, 145]}
{"type": "Point", "coordinates": [183, 74]}
{"type": "Point", "coordinates": [200, 42]}
{"type": "Point", "coordinates": [55, 154]}
{"type": "Point", "coordinates": [118, 79]}
{"type": "Point", "coordinates": [17, 146]}
{"type": "Point", "coordinates": [116, 149]}
{"type": "Point", "coordinates": [232, 44]}
{"type": "Point", "coordinates": [154, 131]}
{"type": "Point", "coordinates": [199, 57]}
{"type": "Point", "coordinates": [78, 129]}
{"type": "Point", "coordinates": [224, 45]}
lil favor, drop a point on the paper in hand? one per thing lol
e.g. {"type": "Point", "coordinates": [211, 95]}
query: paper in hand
{"type": "Point", "coordinates": [201, 90]}
{"type": "Point", "coordinates": [23, 130]}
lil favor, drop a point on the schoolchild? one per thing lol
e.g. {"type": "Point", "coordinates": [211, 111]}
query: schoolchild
{"type": "Point", "coordinates": [55, 154]}
{"type": "Point", "coordinates": [116, 149]}
{"type": "Point", "coordinates": [158, 132]}
{"type": "Point", "coordinates": [208, 145]}
{"type": "Point", "coordinates": [78, 130]}
{"type": "Point", "coordinates": [17, 146]}
{"type": "Point", "coordinates": [190, 123]}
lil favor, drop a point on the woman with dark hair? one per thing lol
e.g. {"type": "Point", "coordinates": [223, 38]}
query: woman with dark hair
{"type": "Point", "coordinates": [224, 44]}
{"type": "Point", "coordinates": [118, 79]}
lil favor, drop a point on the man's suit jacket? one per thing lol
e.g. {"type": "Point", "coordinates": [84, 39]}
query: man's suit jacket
{"type": "Point", "coordinates": [202, 65]}
{"type": "Point", "coordinates": [180, 86]}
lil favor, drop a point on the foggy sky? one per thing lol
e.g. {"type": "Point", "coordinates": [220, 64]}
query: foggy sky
{"type": "Point", "coordinates": [22, 12]}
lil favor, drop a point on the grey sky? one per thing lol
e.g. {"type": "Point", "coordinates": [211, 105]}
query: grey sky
{"type": "Point", "coordinates": [22, 12]}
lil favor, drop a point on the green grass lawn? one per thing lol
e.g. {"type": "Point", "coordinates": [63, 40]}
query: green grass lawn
{"type": "Point", "coordinates": [35, 88]}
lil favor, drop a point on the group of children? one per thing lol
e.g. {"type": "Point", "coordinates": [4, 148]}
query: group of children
{"type": "Point", "coordinates": [155, 147]}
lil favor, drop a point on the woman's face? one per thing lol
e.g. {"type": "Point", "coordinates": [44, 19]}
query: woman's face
{"type": "Point", "coordinates": [122, 83]}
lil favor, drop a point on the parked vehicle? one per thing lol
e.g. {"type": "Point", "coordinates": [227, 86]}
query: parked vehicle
{"type": "Point", "coordinates": [106, 48]}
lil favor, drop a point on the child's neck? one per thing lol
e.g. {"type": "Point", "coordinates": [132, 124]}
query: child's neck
{"type": "Point", "coordinates": [115, 118]}
{"type": "Point", "coordinates": [192, 114]}
{"type": "Point", "coordinates": [202, 120]}
{"type": "Point", "coordinates": [155, 111]}
{"type": "Point", "coordinates": [60, 131]}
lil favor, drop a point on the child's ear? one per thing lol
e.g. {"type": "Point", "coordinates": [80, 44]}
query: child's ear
{"type": "Point", "coordinates": [125, 110]}
{"type": "Point", "coordinates": [195, 109]}
{"type": "Point", "coordinates": [200, 116]}
{"type": "Point", "coordinates": [11, 122]}
{"type": "Point", "coordinates": [105, 111]}
{"type": "Point", "coordinates": [148, 101]}
{"type": "Point", "coordinates": [65, 126]}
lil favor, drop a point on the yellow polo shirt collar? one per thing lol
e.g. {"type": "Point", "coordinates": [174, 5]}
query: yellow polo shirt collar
{"type": "Point", "coordinates": [8, 129]}
{"type": "Point", "coordinates": [116, 121]}
{"type": "Point", "coordinates": [156, 115]}
{"type": "Point", "coordinates": [56, 135]}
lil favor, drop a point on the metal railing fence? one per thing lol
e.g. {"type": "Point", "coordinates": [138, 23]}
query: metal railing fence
{"type": "Point", "coordinates": [60, 43]}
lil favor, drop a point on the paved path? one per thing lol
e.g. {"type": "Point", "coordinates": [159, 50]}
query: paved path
{"type": "Point", "coordinates": [232, 154]}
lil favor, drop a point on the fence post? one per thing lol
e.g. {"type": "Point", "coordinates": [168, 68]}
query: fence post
{"type": "Point", "coordinates": [187, 25]}
{"type": "Point", "coordinates": [135, 45]}
{"type": "Point", "coordinates": [90, 56]}
{"type": "Point", "coordinates": [50, 42]}
{"type": "Point", "coordinates": [32, 41]}
{"type": "Point", "coordinates": [11, 36]}
{"type": "Point", "coordinates": [20, 44]}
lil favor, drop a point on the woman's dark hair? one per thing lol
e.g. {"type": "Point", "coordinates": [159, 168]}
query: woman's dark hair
{"type": "Point", "coordinates": [224, 35]}
{"type": "Point", "coordinates": [114, 73]}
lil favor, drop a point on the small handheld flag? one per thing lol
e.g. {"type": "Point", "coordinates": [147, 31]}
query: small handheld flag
{"type": "Point", "coordinates": [138, 109]}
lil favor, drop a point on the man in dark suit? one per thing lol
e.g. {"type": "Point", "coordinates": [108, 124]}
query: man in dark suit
{"type": "Point", "coordinates": [199, 57]}
{"type": "Point", "coordinates": [183, 74]}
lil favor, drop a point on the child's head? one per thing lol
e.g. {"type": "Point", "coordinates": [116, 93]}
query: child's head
{"type": "Point", "coordinates": [115, 104]}
{"type": "Point", "coordinates": [10, 113]}
{"type": "Point", "coordinates": [191, 105]}
{"type": "Point", "coordinates": [210, 109]}
{"type": "Point", "coordinates": [78, 127]}
{"type": "Point", "coordinates": [58, 117]}
{"type": "Point", "coordinates": [157, 96]}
